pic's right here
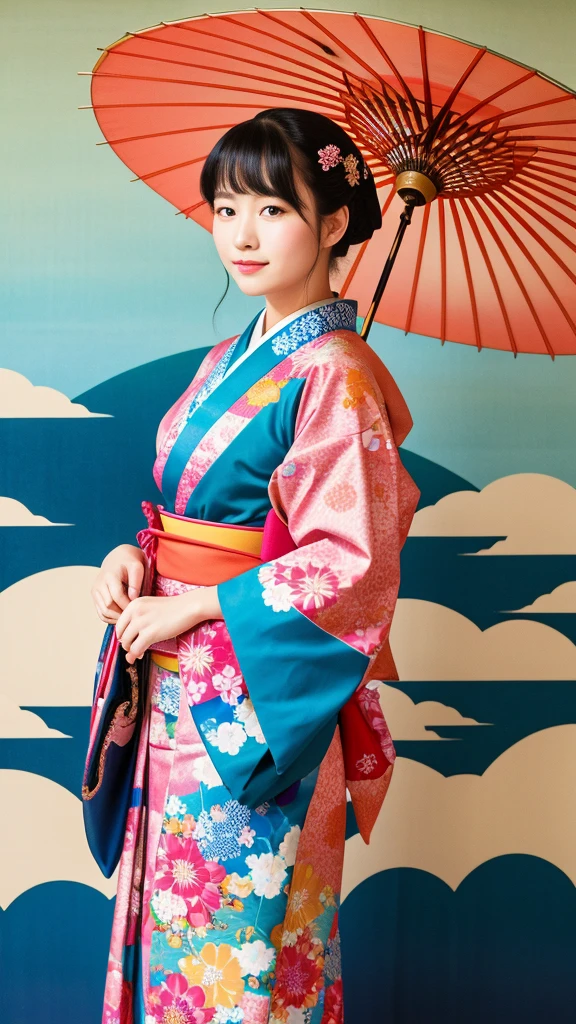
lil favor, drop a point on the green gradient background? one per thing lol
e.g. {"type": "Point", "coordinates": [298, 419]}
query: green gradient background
{"type": "Point", "coordinates": [98, 275]}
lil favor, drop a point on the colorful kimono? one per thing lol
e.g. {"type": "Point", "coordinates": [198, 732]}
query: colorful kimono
{"type": "Point", "coordinates": [229, 880]}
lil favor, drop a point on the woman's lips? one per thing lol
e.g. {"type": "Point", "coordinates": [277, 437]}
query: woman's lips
{"type": "Point", "coordinates": [249, 268]}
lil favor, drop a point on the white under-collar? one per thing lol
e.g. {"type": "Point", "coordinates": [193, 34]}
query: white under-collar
{"type": "Point", "coordinates": [257, 338]}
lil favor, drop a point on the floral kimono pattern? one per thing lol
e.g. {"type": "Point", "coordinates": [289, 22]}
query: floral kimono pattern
{"type": "Point", "coordinates": [229, 880]}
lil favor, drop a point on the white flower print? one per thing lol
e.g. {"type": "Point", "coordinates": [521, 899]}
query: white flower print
{"type": "Point", "coordinates": [289, 845]}
{"type": "Point", "coordinates": [315, 355]}
{"type": "Point", "coordinates": [174, 806]}
{"type": "Point", "coordinates": [228, 737]}
{"type": "Point", "coordinates": [200, 658]}
{"type": "Point", "coordinates": [279, 597]}
{"type": "Point", "coordinates": [246, 837]}
{"type": "Point", "coordinates": [167, 905]}
{"type": "Point", "coordinates": [217, 813]}
{"type": "Point", "coordinates": [268, 873]}
{"type": "Point", "coordinates": [245, 713]}
{"type": "Point", "coordinates": [194, 690]}
{"type": "Point", "coordinates": [255, 957]}
{"type": "Point", "coordinates": [223, 1015]}
{"type": "Point", "coordinates": [228, 684]}
{"type": "Point", "coordinates": [266, 574]}
{"type": "Point", "coordinates": [204, 771]}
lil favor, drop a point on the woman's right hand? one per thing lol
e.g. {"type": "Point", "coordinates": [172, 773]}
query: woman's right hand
{"type": "Point", "coordinates": [119, 581]}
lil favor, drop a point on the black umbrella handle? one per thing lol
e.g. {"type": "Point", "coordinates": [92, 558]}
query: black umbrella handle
{"type": "Point", "coordinates": [405, 218]}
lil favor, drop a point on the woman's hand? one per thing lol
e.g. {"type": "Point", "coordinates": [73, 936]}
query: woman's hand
{"type": "Point", "coordinates": [119, 581]}
{"type": "Point", "coordinates": [148, 620]}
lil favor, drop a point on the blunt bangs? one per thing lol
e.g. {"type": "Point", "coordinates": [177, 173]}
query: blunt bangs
{"type": "Point", "coordinates": [253, 157]}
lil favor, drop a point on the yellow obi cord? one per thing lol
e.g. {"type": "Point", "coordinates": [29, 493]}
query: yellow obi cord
{"type": "Point", "coordinates": [235, 538]}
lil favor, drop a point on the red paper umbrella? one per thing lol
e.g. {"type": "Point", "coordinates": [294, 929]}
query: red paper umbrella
{"type": "Point", "coordinates": [477, 151]}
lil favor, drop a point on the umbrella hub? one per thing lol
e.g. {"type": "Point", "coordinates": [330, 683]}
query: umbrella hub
{"type": "Point", "coordinates": [430, 149]}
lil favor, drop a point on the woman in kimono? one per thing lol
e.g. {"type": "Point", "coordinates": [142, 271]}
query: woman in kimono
{"type": "Point", "coordinates": [275, 569]}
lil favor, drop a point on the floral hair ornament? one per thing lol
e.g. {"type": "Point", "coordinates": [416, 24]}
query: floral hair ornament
{"type": "Point", "coordinates": [330, 156]}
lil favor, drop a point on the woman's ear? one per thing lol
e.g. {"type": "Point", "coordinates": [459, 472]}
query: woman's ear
{"type": "Point", "coordinates": [334, 225]}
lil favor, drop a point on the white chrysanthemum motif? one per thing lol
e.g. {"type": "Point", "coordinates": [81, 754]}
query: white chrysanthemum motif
{"type": "Point", "coordinates": [228, 737]}
{"type": "Point", "coordinates": [266, 574]}
{"type": "Point", "coordinates": [289, 845]}
{"type": "Point", "coordinates": [246, 714]}
{"type": "Point", "coordinates": [268, 873]}
{"type": "Point", "coordinates": [278, 597]}
{"type": "Point", "coordinates": [167, 905]}
{"type": "Point", "coordinates": [311, 356]}
{"type": "Point", "coordinates": [255, 957]}
{"type": "Point", "coordinates": [174, 806]}
{"type": "Point", "coordinates": [198, 658]}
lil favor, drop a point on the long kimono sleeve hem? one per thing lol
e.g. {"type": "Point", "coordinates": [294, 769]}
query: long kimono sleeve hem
{"type": "Point", "coordinates": [298, 675]}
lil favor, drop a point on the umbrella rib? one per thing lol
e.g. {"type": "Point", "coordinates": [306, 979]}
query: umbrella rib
{"type": "Point", "coordinates": [542, 138]}
{"type": "Point", "coordinates": [418, 267]}
{"type": "Point", "coordinates": [538, 238]}
{"type": "Point", "coordinates": [539, 124]}
{"type": "Point", "coordinates": [494, 96]}
{"type": "Point", "coordinates": [557, 152]}
{"type": "Point", "coordinates": [220, 53]}
{"type": "Point", "coordinates": [495, 120]}
{"type": "Point", "coordinates": [207, 67]}
{"type": "Point", "coordinates": [425, 76]}
{"type": "Point", "coordinates": [225, 53]}
{"type": "Point", "coordinates": [210, 85]}
{"type": "Point", "coordinates": [528, 255]}
{"type": "Point", "coordinates": [443, 290]}
{"type": "Point", "coordinates": [545, 206]}
{"type": "Point", "coordinates": [504, 252]}
{"type": "Point", "coordinates": [545, 192]}
{"type": "Point", "coordinates": [362, 249]}
{"type": "Point", "coordinates": [409, 95]}
{"type": "Point", "coordinates": [356, 57]}
{"type": "Point", "coordinates": [166, 170]}
{"type": "Point", "coordinates": [548, 181]}
{"type": "Point", "coordinates": [446, 108]}
{"type": "Point", "coordinates": [158, 135]}
{"type": "Point", "coordinates": [173, 103]}
{"type": "Point", "coordinates": [482, 246]}
{"type": "Point", "coordinates": [278, 39]}
{"type": "Point", "coordinates": [468, 271]}
{"type": "Point", "coordinates": [553, 163]}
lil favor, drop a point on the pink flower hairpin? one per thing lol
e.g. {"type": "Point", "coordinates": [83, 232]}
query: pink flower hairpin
{"type": "Point", "coordinates": [330, 156]}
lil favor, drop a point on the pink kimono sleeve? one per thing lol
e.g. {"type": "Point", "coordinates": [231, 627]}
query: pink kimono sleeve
{"type": "Point", "coordinates": [307, 626]}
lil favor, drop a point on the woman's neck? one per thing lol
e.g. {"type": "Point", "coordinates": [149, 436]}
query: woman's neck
{"type": "Point", "coordinates": [275, 312]}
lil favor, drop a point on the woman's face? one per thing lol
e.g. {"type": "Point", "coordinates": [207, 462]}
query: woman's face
{"type": "Point", "coordinates": [269, 231]}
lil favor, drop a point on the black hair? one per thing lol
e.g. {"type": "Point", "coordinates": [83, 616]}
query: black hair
{"type": "Point", "coordinates": [259, 155]}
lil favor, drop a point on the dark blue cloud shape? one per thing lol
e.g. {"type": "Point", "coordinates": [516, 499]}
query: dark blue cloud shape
{"type": "Point", "coordinates": [54, 951]}
{"type": "Point", "coordinates": [499, 950]}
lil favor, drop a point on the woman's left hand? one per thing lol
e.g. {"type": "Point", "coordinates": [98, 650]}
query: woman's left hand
{"type": "Point", "coordinates": [148, 620]}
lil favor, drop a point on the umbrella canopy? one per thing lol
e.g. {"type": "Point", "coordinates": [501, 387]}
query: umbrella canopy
{"type": "Point", "coordinates": [488, 260]}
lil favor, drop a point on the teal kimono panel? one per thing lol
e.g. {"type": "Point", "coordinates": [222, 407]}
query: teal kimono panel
{"type": "Point", "coordinates": [300, 426]}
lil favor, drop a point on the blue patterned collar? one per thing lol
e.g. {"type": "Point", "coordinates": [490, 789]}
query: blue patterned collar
{"type": "Point", "coordinates": [339, 314]}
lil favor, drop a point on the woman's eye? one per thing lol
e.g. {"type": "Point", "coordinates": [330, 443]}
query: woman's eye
{"type": "Point", "coordinates": [222, 209]}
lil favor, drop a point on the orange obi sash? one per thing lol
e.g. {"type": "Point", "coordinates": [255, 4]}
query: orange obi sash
{"type": "Point", "coordinates": [202, 553]}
